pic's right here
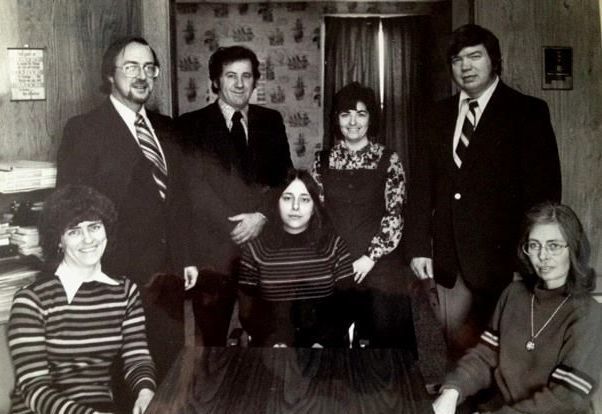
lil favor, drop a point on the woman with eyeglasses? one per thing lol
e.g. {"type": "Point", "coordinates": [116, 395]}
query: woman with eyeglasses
{"type": "Point", "coordinates": [542, 351]}
{"type": "Point", "coordinates": [70, 326]}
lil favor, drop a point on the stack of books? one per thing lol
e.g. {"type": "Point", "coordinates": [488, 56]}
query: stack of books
{"type": "Point", "coordinates": [23, 175]}
{"type": "Point", "coordinates": [13, 275]}
{"type": "Point", "coordinates": [27, 239]}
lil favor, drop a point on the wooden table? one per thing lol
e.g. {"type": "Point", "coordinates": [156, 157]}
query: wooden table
{"type": "Point", "coordinates": [292, 380]}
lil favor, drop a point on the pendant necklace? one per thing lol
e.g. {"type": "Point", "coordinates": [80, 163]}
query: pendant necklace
{"type": "Point", "coordinates": [530, 345]}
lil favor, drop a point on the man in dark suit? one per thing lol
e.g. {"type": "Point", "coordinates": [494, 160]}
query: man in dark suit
{"type": "Point", "coordinates": [130, 155]}
{"type": "Point", "coordinates": [487, 155]}
{"type": "Point", "coordinates": [240, 153]}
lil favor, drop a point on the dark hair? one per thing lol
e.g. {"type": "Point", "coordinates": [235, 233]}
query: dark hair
{"type": "Point", "coordinates": [319, 225]}
{"type": "Point", "coordinates": [581, 278]}
{"type": "Point", "coordinates": [473, 35]}
{"type": "Point", "coordinates": [224, 56]}
{"type": "Point", "coordinates": [110, 57]}
{"type": "Point", "coordinates": [347, 98]}
{"type": "Point", "coordinates": [65, 208]}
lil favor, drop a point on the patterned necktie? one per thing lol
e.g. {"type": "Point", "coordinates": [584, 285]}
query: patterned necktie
{"type": "Point", "coordinates": [151, 152]}
{"type": "Point", "coordinates": [239, 139]}
{"type": "Point", "coordinates": [467, 130]}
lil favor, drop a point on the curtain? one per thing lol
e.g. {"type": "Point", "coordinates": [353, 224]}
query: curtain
{"type": "Point", "coordinates": [351, 54]}
{"type": "Point", "coordinates": [407, 82]}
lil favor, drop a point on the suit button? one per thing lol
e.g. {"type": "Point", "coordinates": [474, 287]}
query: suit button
{"type": "Point", "coordinates": [163, 241]}
{"type": "Point", "coordinates": [457, 196]}
{"type": "Point", "coordinates": [350, 186]}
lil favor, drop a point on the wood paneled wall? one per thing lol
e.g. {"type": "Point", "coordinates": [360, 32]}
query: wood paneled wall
{"type": "Point", "coordinates": [75, 34]}
{"type": "Point", "coordinates": [523, 27]}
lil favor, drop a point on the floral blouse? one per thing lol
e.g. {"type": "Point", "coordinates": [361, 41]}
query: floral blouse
{"type": "Point", "coordinates": [391, 225]}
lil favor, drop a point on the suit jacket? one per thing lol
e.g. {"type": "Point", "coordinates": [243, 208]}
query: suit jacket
{"type": "Point", "coordinates": [99, 150]}
{"type": "Point", "coordinates": [219, 189]}
{"type": "Point", "coordinates": [468, 219]}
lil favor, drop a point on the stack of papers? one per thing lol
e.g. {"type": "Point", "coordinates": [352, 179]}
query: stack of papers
{"type": "Point", "coordinates": [28, 240]}
{"type": "Point", "coordinates": [13, 275]}
{"type": "Point", "coordinates": [23, 175]}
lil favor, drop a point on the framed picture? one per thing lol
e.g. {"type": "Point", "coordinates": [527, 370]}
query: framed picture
{"type": "Point", "coordinates": [557, 68]}
{"type": "Point", "coordinates": [26, 72]}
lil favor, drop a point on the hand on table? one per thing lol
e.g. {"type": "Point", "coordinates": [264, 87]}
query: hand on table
{"type": "Point", "coordinates": [422, 267]}
{"type": "Point", "coordinates": [361, 267]}
{"type": "Point", "coordinates": [144, 398]}
{"type": "Point", "coordinates": [248, 227]}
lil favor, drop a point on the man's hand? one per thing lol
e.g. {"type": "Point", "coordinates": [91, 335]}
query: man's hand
{"type": "Point", "coordinates": [249, 226]}
{"type": "Point", "coordinates": [144, 398]}
{"type": "Point", "coordinates": [422, 267]}
{"type": "Point", "coordinates": [361, 267]}
{"type": "Point", "coordinates": [191, 274]}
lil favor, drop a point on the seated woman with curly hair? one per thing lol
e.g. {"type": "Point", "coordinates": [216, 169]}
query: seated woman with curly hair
{"type": "Point", "coordinates": [67, 328]}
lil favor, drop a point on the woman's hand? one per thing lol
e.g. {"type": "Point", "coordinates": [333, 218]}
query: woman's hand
{"type": "Point", "coordinates": [191, 274]}
{"type": "Point", "coordinates": [361, 267]}
{"type": "Point", "coordinates": [144, 398]}
{"type": "Point", "coordinates": [447, 402]}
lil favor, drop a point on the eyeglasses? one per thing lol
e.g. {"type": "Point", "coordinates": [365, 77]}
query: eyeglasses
{"type": "Point", "coordinates": [132, 70]}
{"type": "Point", "coordinates": [533, 248]}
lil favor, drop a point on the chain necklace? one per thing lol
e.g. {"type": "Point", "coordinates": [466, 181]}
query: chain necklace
{"type": "Point", "coordinates": [530, 345]}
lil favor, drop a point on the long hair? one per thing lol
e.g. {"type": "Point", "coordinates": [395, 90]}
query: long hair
{"type": "Point", "coordinates": [319, 227]}
{"type": "Point", "coordinates": [65, 208]}
{"type": "Point", "coordinates": [581, 278]}
{"type": "Point", "coordinates": [110, 57]}
{"type": "Point", "coordinates": [347, 98]}
{"type": "Point", "coordinates": [473, 35]}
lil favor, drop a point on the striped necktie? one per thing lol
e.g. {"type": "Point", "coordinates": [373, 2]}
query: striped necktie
{"type": "Point", "coordinates": [467, 131]}
{"type": "Point", "coordinates": [151, 152]}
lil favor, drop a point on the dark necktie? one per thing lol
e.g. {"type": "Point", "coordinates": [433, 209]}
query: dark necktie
{"type": "Point", "coordinates": [239, 139]}
{"type": "Point", "coordinates": [151, 152]}
{"type": "Point", "coordinates": [467, 131]}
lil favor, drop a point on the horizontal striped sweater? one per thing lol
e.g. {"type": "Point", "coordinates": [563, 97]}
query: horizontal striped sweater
{"type": "Point", "coordinates": [287, 291]}
{"type": "Point", "coordinates": [558, 376]}
{"type": "Point", "coordinates": [62, 352]}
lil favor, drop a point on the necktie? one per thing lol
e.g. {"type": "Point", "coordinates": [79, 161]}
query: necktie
{"type": "Point", "coordinates": [151, 152]}
{"type": "Point", "coordinates": [239, 140]}
{"type": "Point", "coordinates": [467, 130]}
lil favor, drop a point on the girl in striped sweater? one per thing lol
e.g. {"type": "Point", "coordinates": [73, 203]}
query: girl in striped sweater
{"type": "Point", "coordinates": [291, 273]}
{"type": "Point", "coordinates": [67, 328]}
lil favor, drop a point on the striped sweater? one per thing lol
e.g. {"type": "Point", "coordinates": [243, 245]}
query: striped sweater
{"type": "Point", "coordinates": [287, 292]}
{"type": "Point", "coordinates": [558, 376]}
{"type": "Point", "coordinates": [62, 352]}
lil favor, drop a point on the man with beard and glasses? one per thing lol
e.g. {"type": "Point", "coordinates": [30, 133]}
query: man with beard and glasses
{"type": "Point", "coordinates": [130, 155]}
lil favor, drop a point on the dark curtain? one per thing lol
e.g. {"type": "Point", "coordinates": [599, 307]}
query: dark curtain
{"type": "Point", "coordinates": [351, 54]}
{"type": "Point", "coordinates": [407, 82]}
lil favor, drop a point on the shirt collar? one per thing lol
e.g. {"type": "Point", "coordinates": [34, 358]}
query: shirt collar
{"type": "Point", "coordinates": [484, 98]}
{"type": "Point", "coordinates": [228, 111]}
{"type": "Point", "coordinates": [364, 149]}
{"type": "Point", "coordinates": [71, 279]}
{"type": "Point", "coordinates": [126, 113]}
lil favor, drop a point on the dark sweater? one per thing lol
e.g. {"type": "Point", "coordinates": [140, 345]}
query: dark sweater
{"type": "Point", "coordinates": [558, 376]}
{"type": "Point", "coordinates": [288, 289]}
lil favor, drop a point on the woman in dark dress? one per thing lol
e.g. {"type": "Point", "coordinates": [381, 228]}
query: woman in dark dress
{"type": "Point", "coordinates": [363, 187]}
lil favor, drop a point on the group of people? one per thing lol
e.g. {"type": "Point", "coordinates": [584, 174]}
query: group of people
{"type": "Point", "coordinates": [307, 258]}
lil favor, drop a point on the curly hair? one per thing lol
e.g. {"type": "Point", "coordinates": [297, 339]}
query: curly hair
{"type": "Point", "coordinates": [65, 208]}
{"type": "Point", "coordinates": [347, 98]}
{"type": "Point", "coordinates": [319, 225]}
{"type": "Point", "coordinates": [224, 56]}
{"type": "Point", "coordinates": [581, 278]}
